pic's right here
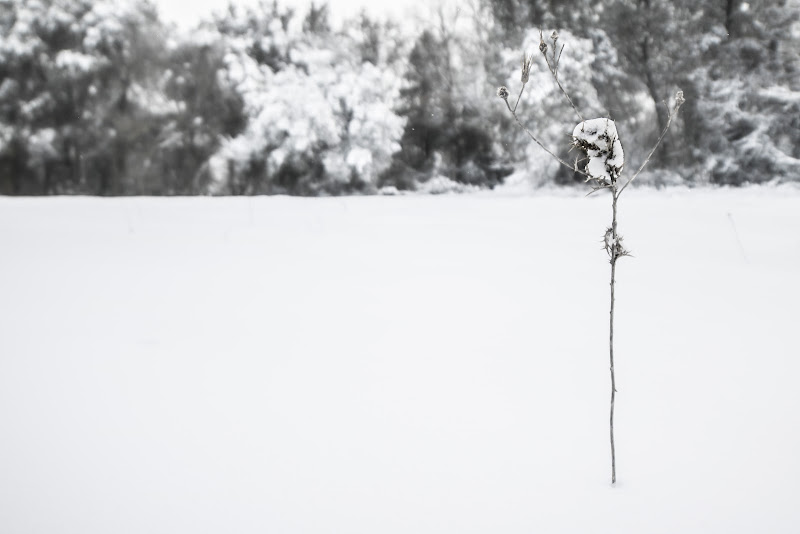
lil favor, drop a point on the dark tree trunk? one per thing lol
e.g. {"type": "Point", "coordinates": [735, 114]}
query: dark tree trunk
{"type": "Point", "coordinates": [662, 114]}
{"type": "Point", "coordinates": [730, 7]}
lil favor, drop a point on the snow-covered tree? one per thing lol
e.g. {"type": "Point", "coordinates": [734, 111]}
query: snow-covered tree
{"type": "Point", "coordinates": [742, 127]}
{"type": "Point", "coordinates": [203, 108]}
{"type": "Point", "coordinates": [321, 119]}
{"type": "Point", "coordinates": [449, 134]}
{"type": "Point", "coordinates": [67, 73]}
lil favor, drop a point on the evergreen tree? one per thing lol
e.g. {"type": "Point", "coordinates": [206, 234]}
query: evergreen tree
{"type": "Point", "coordinates": [446, 132]}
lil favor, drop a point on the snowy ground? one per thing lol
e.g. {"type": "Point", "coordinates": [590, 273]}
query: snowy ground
{"type": "Point", "coordinates": [399, 365]}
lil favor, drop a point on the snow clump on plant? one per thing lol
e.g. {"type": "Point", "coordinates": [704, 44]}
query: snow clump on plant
{"type": "Point", "coordinates": [599, 140]}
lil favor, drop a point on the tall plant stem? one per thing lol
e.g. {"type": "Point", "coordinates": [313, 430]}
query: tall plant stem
{"type": "Point", "coordinates": [613, 241]}
{"type": "Point", "coordinates": [614, 256]}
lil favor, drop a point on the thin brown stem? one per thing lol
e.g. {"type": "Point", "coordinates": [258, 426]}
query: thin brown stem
{"type": "Point", "coordinates": [518, 98]}
{"type": "Point", "coordinates": [535, 140]}
{"type": "Point", "coordinates": [653, 150]}
{"type": "Point", "coordinates": [578, 113]}
{"type": "Point", "coordinates": [557, 59]}
{"type": "Point", "coordinates": [612, 238]}
{"type": "Point", "coordinates": [614, 256]}
{"type": "Point", "coordinates": [554, 71]}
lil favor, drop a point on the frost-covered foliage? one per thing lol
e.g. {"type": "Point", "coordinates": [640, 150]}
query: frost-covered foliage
{"type": "Point", "coordinates": [732, 59]}
{"type": "Point", "coordinates": [599, 140]}
{"type": "Point", "coordinates": [321, 120]}
{"type": "Point", "coordinates": [100, 97]}
{"type": "Point", "coordinates": [95, 97]}
{"type": "Point", "coordinates": [744, 131]}
{"type": "Point", "coordinates": [66, 68]}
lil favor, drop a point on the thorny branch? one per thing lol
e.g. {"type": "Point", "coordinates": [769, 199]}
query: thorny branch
{"type": "Point", "coordinates": [612, 239]}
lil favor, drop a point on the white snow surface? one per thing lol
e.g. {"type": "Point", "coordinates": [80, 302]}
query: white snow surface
{"type": "Point", "coordinates": [399, 364]}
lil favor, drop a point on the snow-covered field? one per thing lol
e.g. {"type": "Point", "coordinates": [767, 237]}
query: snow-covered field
{"type": "Point", "coordinates": [399, 365]}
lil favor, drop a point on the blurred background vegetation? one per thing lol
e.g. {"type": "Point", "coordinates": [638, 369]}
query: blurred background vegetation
{"type": "Point", "coordinates": [103, 98]}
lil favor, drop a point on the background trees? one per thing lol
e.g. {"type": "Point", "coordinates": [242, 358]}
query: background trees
{"type": "Point", "coordinates": [71, 74]}
{"type": "Point", "coordinates": [101, 97]}
{"type": "Point", "coordinates": [320, 107]}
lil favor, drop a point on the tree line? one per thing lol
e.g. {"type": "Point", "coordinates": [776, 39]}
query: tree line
{"type": "Point", "coordinates": [103, 98]}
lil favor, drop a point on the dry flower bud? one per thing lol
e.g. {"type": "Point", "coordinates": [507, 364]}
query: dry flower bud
{"type": "Point", "coordinates": [554, 36]}
{"type": "Point", "coordinates": [526, 67]}
{"type": "Point", "coordinates": [679, 100]}
{"type": "Point", "coordinates": [502, 92]}
{"type": "Point", "coordinates": [542, 47]}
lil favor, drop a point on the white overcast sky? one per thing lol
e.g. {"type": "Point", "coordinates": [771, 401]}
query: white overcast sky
{"type": "Point", "coordinates": [186, 12]}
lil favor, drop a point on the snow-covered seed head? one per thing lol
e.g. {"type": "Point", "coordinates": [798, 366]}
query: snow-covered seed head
{"type": "Point", "coordinates": [679, 100]}
{"type": "Point", "coordinates": [542, 46]}
{"type": "Point", "coordinates": [598, 138]}
{"type": "Point", "coordinates": [526, 67]}
{"type": "Point", "coordinates": [554, 36]}
{"type": "Point", "coordinates": [502, 92]}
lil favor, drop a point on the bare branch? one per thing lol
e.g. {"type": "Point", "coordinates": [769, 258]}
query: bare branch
{"type": "Point", "coordinates": [518, 97]}
{"type": "Point", "coordinates": [554, 67]}
{"type": "Point", "coordinates": [679, 100]}
{"type": "Point", "coordinates": [558, 60]}
{"type": "Point", "coordinates": [535, 140]}
{"type": "Point", "coordinates": [597, 188]}
{"type": "Point", "coordinates": [564, 92]}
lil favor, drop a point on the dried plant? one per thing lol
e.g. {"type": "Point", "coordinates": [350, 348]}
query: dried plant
{"type": "Point", "coordinates": [604, 160]}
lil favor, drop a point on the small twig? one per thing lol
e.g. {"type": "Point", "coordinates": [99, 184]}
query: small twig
{"type": "Point", "coordinates": [596, 189]}
{"type": "Point", "coordinates": [558, 60]}
{"type": "Point", "coordinates": [554, 67]}
{"type": "Point", "coordinates": [561, 161]}
{"type": "Point", "coordinates": [614, 253]}
{"type": "Point", "coordinates": [518, 97]}
{"type": "Point", "coordinates": [571, 103]}
{"type": "Point", "coordinates": [678, 102]}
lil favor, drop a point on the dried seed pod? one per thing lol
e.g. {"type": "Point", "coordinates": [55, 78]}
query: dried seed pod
{"type": "Point", "coordinates": [526, 67]}
{"type": "Point", "coordinates": [679, 100]}
{"type": "Point", "coordinates": [502, 92]}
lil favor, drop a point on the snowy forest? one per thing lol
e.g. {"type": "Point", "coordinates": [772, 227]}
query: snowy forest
{"type": "Point", "coordinates": [103, 98]}
{"type": "Point", "coordinates": [276, 269]}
